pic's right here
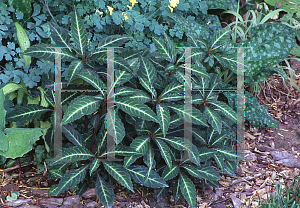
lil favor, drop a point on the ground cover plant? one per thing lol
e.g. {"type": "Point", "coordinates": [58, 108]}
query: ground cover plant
{"type": "Point", "coordinates": [149, 99]}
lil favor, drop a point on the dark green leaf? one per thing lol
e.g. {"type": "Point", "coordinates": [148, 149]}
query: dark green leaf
{"type": "Point", "coordinates": [73, 135]}
{"type": "Point", "coordinates": [119, 173]}
{"type": "Point", "coordinates": [139, 173]}
{"type": "Point", "coordinates": [104, 192]}
{"type": "Point", "coordinates": [80, 106]}
{"type": "Point", "coordinates": [72, 154]}
{"type": "Point", "coordinates": [188, 190]}
{"type": "Point", "coordinates": [71, 179]}
{"type": "Point", "coordinates": [170, 173]}
{"type": "Point", "coordinates": [136, 109]}
{"type": "Point", "coordinates": [164, 151]}
{"type": "Point", "coordinates": [79, 33]}
{"type": "Point", "coordinates": [26, 113]}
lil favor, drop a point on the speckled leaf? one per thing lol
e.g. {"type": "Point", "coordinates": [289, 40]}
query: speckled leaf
{"type": "Point", "coordinates": [191, 26]}
{"type": "Point", "coordinates": [270, 44]}
{"type": "Point", "coordinates": [255, 113]}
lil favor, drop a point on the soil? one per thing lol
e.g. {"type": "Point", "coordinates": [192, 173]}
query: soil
{"type": "Point", "coordinates": [256, 177]}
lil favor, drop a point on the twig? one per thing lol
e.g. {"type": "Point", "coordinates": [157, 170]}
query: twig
{"type": "Point", "coordinates": [13, 168]}
{"type": "Point", "coordinates": [281, 92]}
{"type": "Point", "coordinates": [49, 11]}
{"type": "Point", "coordinates": [271, 92]}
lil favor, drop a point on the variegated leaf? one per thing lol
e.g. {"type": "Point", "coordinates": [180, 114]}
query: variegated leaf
{"type": "Point", "coordinates": [73, 135]}
{"type": "Point", "coordinates": [140, 96]}
{"type": "Point", "coordinates": [94, 81]}
{"type": "Point", "coordinates": [170, 173]}
{"type": "Point", "coordinates": [98, 53]}
{"type": "Point", "coordinates": [74, 68]}
{"type": "Point", "coordinates": [114, 41]}
{"type": "Point", "coordinates": [72, 154]}
{"type": "Point", "coordinates": [119, 173]}
{"type": "Point", "coordinates": [80, 106]}
{"type": "Point", "coordinates": [208, 173]}
{"type": "Point", "coordinates": [205, 153]}
{"type": "Point", "coordinates": [197, 117]}
{"type": "Point", "coordinates": [130, 159]}
{"type": "Point", "coordinates": [122, 150]}
{"type": "Point", "coordinates": [138, 174]}
{"type": "Point", "coordinates": [173, 87]}
{"type": "Point", "coordinates": [104, 192]}
{"type": "Point", "coordinates": [147, 75]}
{"type": "Point", "coordinates": [192, 170]}
{"type": "Point", "coordinates": [188, 190]}
{"type": "Point", "coordinates": [117, 127]}
{"type": "Point", "coordinates": [176, 142]}
{"type": "Point", "coordinates": [172, 97]}
{"type": "Point", "coordinates": [164, 50]}
{"type": "Point", "coordinates": [213, 118]}
{"type": "Point", "coordinates": [140, 144]}
{"type": "Point", "coordinates": [163, 116]}
{"type": "Point", "coordinates": [136, 109]}
{"type": "Point", "coordinates": [59, 35]}
{"type": "Point", "coordinates": [149, 161]}
{"type": "Point", "coordinates": [94, 166]}
{"type": "Point", "coordinates": [26, 113]}
{"type": "Point", "coordinates": [228, 153]}
{"type": "Point", "coordinates": [219, 160]}
{"type": "Point", "coordinates": [225, 110]}
{"type": "Point", "coordinates": [79, 33]}
{"type": "Point", "coordinates": [164, 151]}
{"type": "Point", "coordinates": [176, 191]}
{"type": "Point", "coordinates": [43, 51]}
{"type": "Point", "coordinates": [121, 77]}
{"type": "Point", "coordinates": [71, 179]}
{"type": "Point", "coordinates": [121, 64]}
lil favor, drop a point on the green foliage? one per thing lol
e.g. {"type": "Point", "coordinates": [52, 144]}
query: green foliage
{"type": "Point", "coordinates": [151, 118]}
{"type": "Point", "coordinates": [149, 84]}
{"type": "Point", "coordinates": [141, 20]}
{"type": "Point", "coordinates": [15, 142]}
{"type": "Point", "coordinates": [284, 197]}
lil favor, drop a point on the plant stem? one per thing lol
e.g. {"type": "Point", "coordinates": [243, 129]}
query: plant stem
{"type": "Point", "coordinates": [93, 139]}
{"type": "Point", "coordinates": [19, 171]}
